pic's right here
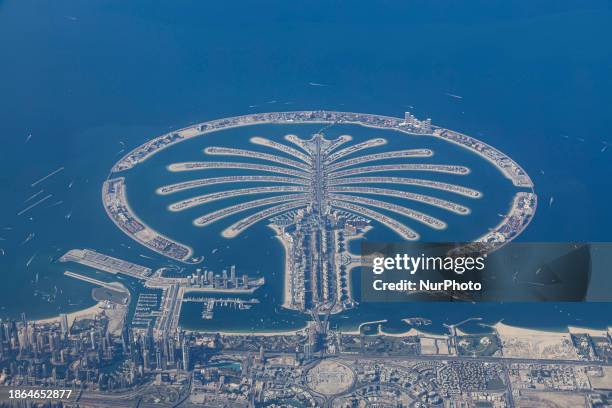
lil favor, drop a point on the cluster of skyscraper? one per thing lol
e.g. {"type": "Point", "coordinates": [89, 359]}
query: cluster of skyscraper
{"type": "Point", "coordinates": [79, 354]}
{"type": "Point", "coordinates": [207, 278]}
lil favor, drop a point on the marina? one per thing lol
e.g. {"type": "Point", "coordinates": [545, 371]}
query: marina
{"type": "Point", "coordinates": [209, 304]}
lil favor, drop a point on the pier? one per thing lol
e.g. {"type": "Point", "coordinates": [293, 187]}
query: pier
{"type": "Point", "coordinates": [209, 304]}
{"type": "Point", "coordinates": [107, 285]}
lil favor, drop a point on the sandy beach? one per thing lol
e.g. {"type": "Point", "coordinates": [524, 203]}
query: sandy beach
{"type": "Point", "coordinates": [409, 333]}
{"type": "Point", "coordinates": [286, 275]}
{"type": "Point", "coordinates": [79, 314]}
{"type": "Point", "coordinates": [531, 343]}
{"type": "Point", "coordinates": [507, 330]}
{"type": "Point", "coordinates": [252, 333]}
{"type": "Point", "coordinates": [358, 331]}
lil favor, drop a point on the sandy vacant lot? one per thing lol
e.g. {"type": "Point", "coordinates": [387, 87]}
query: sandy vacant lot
{"type": "Point", "coordinates": [550, 400]}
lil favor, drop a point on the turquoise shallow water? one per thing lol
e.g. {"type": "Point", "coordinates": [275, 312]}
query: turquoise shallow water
{"type": "Point", "coordinates": [534, 81]}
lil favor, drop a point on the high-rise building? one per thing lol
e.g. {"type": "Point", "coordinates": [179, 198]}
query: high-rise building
{"type": "Point", "coordinates": [64, 324]}
{"type": "Point", "coordinates": [307, 351]}
{"type": "Point", "coordinates": [409, 118]}
{"type": "Point", "coordinates": [186, 361]}
{"type": "Point", "coordinates": [7, 330]}
{"type": "Point", "coordinates": [24, 340]}
{"type": "Point", "coordinates": [171, 350]}
{"type": "Point", "coordinates": [125, 339]}
{"type": "Point", "coordinates": [145, 359]}
{"type": "Point", "coordinates": [158, 359]}
{"type": "Point", "coordinates": [92, 339]}
{"type": "Point", "coordinates": [148, 340]}
{"type": "Point", "coordinates": [224, 275]}
{"type": "Point", "coordinates": [22, 336]}
{"type": "Point", "coordinates": [261, 354]}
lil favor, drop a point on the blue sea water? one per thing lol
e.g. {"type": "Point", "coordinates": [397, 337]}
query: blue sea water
{"type": "Point", "coordinates": [84, 77]}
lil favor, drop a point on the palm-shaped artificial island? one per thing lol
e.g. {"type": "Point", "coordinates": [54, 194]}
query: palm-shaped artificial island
{"type": "Point", "coordinates": [319, 193]}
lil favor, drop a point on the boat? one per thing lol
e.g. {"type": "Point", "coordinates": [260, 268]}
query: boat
{"type": "Point", "coordinates": [454, 96]}
{"type": "Point", "coordinates": [30, 261]}
{"type": "Point", "coordinates": [29, 238]}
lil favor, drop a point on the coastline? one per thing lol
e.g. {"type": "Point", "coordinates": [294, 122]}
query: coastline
{"type": "Point", "coordinates": [286, 275]}
{"type": "Point", "coordinates": [115, 312]}
{"type": "Point", "coordinates": [499, 329]}
{"type": "Point", "coordinates": [263, 334]}
{"type": "Point", "coordinates": [79, 314]}
{"type": "Point", "coordinates": [250, 333]}
{"type": "Point", "coordinates": [503, 329]}
{"type": "Point", "coordinates": [358, 331]}
{"type": "Point", "coordinates": [410, 333]}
